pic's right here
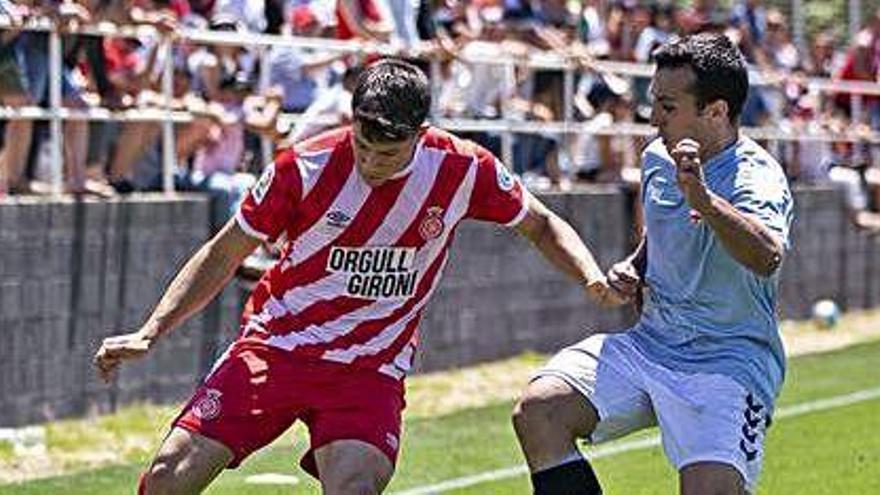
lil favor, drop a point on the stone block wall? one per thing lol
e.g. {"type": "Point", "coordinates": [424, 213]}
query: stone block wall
{"type": "Point", "coordinates": [72, 273]}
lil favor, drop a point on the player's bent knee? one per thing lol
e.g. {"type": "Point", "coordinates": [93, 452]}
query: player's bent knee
{"type": "Point", "coordinates": [159, 479]}
{"type": "Point", "coordinates": [355, 485]}
{"type": "Point", "coordinates": [529, 416]}
{"type": "Point", "coordinates": [711, 478]}
{"type": "Point", "coordinates": [353, 467]}
{"type": "Point", "coordinates": [538, 410]}
{"type": "Point", "coordinates": [186, 463]}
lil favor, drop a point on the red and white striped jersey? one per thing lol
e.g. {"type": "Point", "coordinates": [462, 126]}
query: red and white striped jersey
{"type": "Point", "coordinates": [361, 262]}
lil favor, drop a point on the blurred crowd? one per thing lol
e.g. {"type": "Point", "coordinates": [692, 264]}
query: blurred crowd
{"type": "Point", "coordinates": [234, 109]}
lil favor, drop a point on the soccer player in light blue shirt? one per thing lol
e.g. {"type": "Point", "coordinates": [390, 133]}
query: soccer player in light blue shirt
{"type": "Point", "coordinates": [705, 361]}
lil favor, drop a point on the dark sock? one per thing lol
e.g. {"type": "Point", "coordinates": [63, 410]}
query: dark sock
{"type": "Point", "coordinates": [571, 478]}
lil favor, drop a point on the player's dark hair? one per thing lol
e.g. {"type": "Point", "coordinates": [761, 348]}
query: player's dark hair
{"type": "Point", "coordinates": [391, 100]}
{"type": "Point", "coordinates": [718, 64]}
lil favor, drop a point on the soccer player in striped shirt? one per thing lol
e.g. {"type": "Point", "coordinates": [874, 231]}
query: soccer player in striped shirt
{"type": "Point", "coordinates": [368, 213]}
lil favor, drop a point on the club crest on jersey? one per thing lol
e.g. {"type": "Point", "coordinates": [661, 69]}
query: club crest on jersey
{"type": "Point", "coordinates": [262, 186]}
{"type": "Point", "coordinates": [432, 225]}
{"type": "Point", "coordinates": [375, 272]}
{"type": "Point", "coordinates": [208, 405]}
{"type": "Point", "coordinates": [504, 178]}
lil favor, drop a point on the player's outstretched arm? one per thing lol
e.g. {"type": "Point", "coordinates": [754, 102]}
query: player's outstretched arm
{"type": "Point", "coordinates": [203, 276]}
{"type": "Point", "coordinates": [562, 246]}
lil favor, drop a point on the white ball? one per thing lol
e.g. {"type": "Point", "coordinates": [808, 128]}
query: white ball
{"type": "Point", "coordinates": [826, 313]}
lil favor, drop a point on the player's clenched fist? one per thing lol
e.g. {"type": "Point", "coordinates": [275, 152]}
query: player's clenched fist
{"type": "Point", "coordinates": [604, 294]}
{"type": "Point", "coordinates": [689, 173]}
{"type": "Point", "coordinates": [625, 278]}
{"type": "Point", "coordinates": [118, 348]}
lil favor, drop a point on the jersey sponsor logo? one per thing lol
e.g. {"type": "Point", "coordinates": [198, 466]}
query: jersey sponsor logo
{"type": "Point", "coordinates": [432, 225]}
{"type": "Point", "coordinates": [375, 272]}
{"type": "Point", "coordinates": [208, 405]}
{"type": "Point", "coordinates": [262, 186]}
{"type": "Point", "coordinates": [503, 177]}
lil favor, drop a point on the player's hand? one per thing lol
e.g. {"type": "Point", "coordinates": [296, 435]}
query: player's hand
{"type": "Point", "coordinates": [625, 279]}
{"type": "Point", "coordinates": [119, 348]}
{"type": "Point", "coordinates": [600, 291]}
{"type": "Point", "coordinates": [689, 174]}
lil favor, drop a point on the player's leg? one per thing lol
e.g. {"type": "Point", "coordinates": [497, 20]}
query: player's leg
{"type": "Point", "coordinates": [585, 391]}
{"type": "Point", "coordinates": [186, 463]}
{"type": "Point", "coordinates": [354, 424]}
{"type": "Point", "coordinates": [713, 430]}
{"type": "Point", "coordinates": [711, 478]}
{"type": "Point", "coordinates": [353, 467]}
{"type": "Point", "coordinates": [240, 408]}
{"type": "Point", "coordinates": [548, 419]}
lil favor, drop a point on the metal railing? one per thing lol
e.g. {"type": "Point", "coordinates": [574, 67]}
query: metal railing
{"type": "Point", "coordinates": [56, 114]}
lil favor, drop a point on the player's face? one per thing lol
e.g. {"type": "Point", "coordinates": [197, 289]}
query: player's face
{"type": "Point", "coordinates": [378, 161]}
{"type": "Point", "coordinates": [674, 110]}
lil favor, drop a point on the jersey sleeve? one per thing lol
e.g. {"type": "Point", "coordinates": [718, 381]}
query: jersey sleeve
{"type": "Point", "coordinates": [498, 196]}
{"type": "Point", "coordinates": [763, 192]}
{"type": "Point", "coordinates": [269, 206]}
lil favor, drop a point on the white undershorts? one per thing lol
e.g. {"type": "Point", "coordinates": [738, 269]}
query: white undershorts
{"type": "Point", "coordinates": [702, 417]}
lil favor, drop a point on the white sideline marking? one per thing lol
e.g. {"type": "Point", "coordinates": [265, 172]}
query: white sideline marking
{"type": "Point", "coordinates": [652, 441]}
{"type": "Point", "coordinates": [272, 479]}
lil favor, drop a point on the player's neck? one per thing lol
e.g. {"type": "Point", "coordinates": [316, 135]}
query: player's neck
{"type": "Point", "coordinates": [718, 143]}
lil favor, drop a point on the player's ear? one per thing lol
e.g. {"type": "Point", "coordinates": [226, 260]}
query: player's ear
{"type": "Point", "coordinates": [422, 130]}
{"type": "Point", "coordinates": [717, 110]}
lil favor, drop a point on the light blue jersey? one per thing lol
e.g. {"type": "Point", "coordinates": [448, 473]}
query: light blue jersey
{"type": "Point", "coordinates": [705, 312]}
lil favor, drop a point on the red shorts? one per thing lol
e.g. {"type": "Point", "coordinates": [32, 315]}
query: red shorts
{"type": "Point", "coordinates": [257, 392]}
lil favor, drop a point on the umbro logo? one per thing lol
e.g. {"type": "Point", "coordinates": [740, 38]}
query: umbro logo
{"type": "Point", "coordinates": [337, 218]}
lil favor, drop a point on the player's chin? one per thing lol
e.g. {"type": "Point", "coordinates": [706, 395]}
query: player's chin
{"type": "Point", "coordinates": [614, 302]}
{"type": "Point", "coordinates": [670, 138]}
{"type": "Point", "coordinates": [375, 181]}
